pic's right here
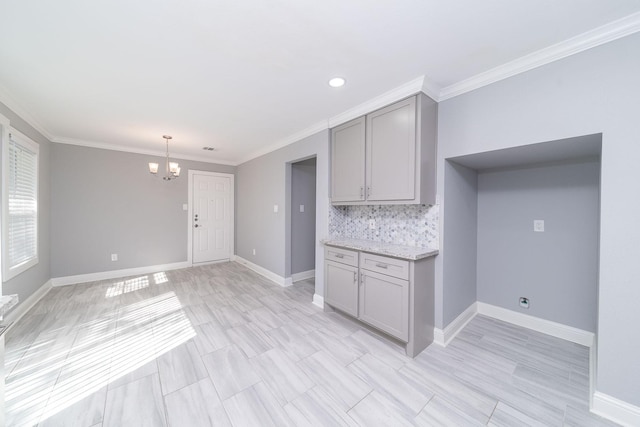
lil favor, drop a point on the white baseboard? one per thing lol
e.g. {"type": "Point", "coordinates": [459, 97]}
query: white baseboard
{"type": "Point", "coordinates": [116, 274]}
{"type": "Point", "coordinates": [444, 336]}
{"type": "Point", "coordinates": [303, 275]}
{"type": "Point", "coordinates": [593, 370]}
{"type": "Point", "coordinates": [615, 409]}
{"type": "Point", "coordinates": [23, 307]}
{"type": "Point", "coordinates": [548, 327]}
{"type": "Point", "coordinates": [264, 272]}
{"type": "Point", "coordinates": [318, 300]}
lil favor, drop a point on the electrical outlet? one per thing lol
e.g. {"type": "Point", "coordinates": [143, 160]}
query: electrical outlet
{"type": "Point", "coordinates": [301, 208]}
{"type": "Point", "coordinates": [372, 224]}
{"type": "Point", "coordinates": [524, 302]}
{"type": "Point", "coordinates": [114, 257]}
{"type": "Point", "coordinates": [275, 208]}
{"type": "Point", "coordinates": [254, 251]}
{"type": "Point", "coordinates": [538, 225]}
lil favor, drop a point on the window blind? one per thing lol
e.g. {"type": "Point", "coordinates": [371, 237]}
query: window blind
{"type": "Point", "coordinates": [22, 200]}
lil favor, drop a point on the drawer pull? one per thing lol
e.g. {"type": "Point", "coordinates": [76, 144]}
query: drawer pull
{"type": "Point", "coordinates": [381, 265]}
{"type": "Point", "coordinates": [339, 256]}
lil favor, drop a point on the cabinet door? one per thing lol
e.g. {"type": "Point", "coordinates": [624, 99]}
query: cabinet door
{"type": "Point", "coordinates": [391, 152]}
{"type": "Point", "coordinates": [341, 287]}
{"type": "Point", "coordinates": [384, 303]}
{"type": "Point", "coordinates": [347, 161]}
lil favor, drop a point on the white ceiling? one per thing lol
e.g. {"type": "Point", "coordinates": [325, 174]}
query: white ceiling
{"type": "Point", "coordinates": [245, 76]}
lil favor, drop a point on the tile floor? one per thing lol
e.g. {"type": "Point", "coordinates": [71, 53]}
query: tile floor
{"type": "Point", "coordinates": [220, 345]}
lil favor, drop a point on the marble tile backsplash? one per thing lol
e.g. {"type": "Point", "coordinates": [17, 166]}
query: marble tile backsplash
{"type": "Point", "coordinates": [411, 225]}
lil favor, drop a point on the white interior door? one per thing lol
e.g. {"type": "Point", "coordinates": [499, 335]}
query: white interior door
{"type": "Point", "coordinates": [212, 217]}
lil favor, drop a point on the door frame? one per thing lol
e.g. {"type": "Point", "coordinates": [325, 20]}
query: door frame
{"type": "Point", "coordinates": [232, 237]}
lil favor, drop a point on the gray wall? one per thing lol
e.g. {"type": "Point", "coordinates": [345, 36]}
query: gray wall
{"type": "Point", "coordinates": [303, 224]}
{"type": "Point", "coordinates": [261, 183]}
{"type": "Point", "coordinates": [592, 92]}
{"type": "Point", "coordinates": [31, 280]}
{"type": "Point", "coordinates": [106, 202]}
{"type": "Point", "coordinates": [460, 231]}
{"type": "Point", "coordinates": [557, 269]}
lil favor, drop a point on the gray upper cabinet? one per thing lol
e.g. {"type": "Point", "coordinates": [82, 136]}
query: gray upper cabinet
{"type": "Point", "coordinates": [347, 161]}
{"type": "Point", "coordinates": [387, 156]}
{"type": "Point", "coordinates": [391, 152]}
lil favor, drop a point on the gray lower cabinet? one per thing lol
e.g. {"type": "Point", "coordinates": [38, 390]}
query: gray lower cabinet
{"type": "Point", "coordinates": [384, 303]}
{"type": "Point", "coordinates": [342, 287]}
{"type": "Point", "coordinates": [392, 295]}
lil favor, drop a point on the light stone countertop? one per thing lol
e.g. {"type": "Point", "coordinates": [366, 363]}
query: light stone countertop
{"type": "Point", "coordinates": [410, 253]}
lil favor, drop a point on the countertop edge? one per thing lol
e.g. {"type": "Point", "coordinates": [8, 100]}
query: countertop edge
{"type": "Point", "coordinates": [376, 248]}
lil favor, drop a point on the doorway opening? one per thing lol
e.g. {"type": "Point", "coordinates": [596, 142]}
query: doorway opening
{"type": "Point", "coordinates": [301, 220]}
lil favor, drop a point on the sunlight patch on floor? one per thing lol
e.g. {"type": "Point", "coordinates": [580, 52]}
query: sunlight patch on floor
{"type": "Point", "coordinates": [104, 350]}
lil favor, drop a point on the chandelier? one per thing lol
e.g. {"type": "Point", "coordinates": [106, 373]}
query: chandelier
{"type": "Point", "coordinates": [172, 168]}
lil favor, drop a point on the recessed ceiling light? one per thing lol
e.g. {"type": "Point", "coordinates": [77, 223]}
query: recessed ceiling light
{"type": "Point", "coordinates": [208, 148]}
{"type": "Point", "coordinates": [337, 82]}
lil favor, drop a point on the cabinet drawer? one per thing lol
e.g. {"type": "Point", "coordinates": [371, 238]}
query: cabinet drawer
{"type": "Point", "coordinates": [385, 265]}
{"type": "Point", "coordinates": [344, 256]}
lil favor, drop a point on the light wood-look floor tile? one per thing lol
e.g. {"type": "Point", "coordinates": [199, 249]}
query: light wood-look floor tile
{"type": "Point", "coordinates": [138, 403]}
{"type": "Point", "coordinates": [230, 371]}
{"type": "Point", "coordinates": [221, 345]}
{"type": "Point", "coordinates": [196, 405]}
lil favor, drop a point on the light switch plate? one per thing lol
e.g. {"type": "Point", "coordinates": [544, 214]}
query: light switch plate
{"type": "Point", "coordinates": [275, 208]}
{"type": "Point", "coordinates": [185, 207]}
{"type": "Point", "coordinates": [301, 208]}
{"type": "Point", "coordinates": [538, 225]}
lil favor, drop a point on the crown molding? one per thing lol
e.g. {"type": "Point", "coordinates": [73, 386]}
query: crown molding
{"type": "Point", "coordinates": [311, 130]}
{"type": "Point", "coordinates": [593, 38]}
{"type": "Point", "coordinates": [410, 88]}
{"type": "Point", "coordinates": [431, 88]}
{"type": "Point", "coordinates": [420, 84]}
{"type": "Point", "coordinates": [596, 37]}
{"type": "Point", "coordinates": [125, 149]}
{"type": "Point", "coordinates": [15, 106]}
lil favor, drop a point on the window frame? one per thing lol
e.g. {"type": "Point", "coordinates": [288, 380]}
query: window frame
{"type": "Point", "coordinates": [11, 135]}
